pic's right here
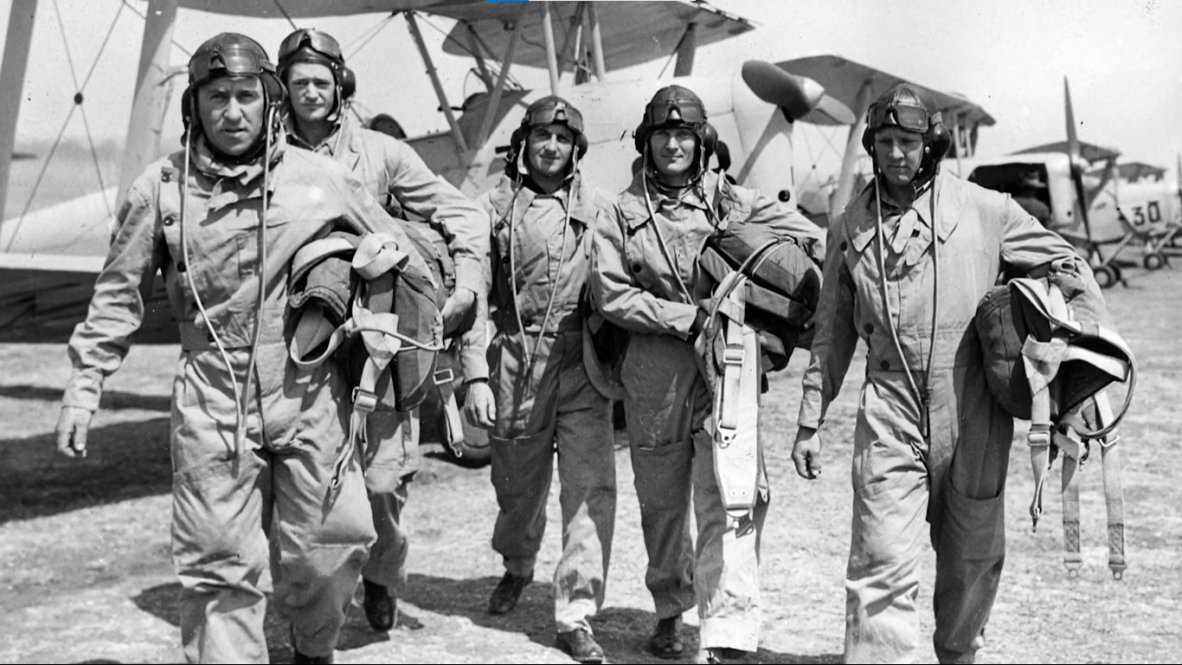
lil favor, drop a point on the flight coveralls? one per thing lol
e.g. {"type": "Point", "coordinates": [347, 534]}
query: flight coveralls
{"type": "Point", "coordinates": [668, 405]}
{"type": "Point", "coordinates": [297, 419]}
{"type": "Point", "coordinates": [955, 476]}
{"type": "Point", "coordinates": [399, 179]}
{"type": "Point", "coordinates": [549, 405]}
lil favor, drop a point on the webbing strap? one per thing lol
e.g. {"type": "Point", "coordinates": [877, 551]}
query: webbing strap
{"type": "Point", "coordinates": [1113, 492]}
{"type": "Point", "coordinates": [736, 417]}
{"type": "Point", "coordinates": [377, 255]}
{"type": "Point", "coordinates": [445, 381]}
{"type": "Point", "coordinates": [1072, 450]}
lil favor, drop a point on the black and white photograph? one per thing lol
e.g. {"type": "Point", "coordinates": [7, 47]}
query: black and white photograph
{"type": "Point", "coordinates": [528, 331]}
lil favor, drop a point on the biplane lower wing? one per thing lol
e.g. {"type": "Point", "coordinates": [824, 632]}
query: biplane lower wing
{"type": "Point", "coordinates": [42, 298]}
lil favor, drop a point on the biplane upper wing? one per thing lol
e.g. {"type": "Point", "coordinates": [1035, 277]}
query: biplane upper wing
{"type": "Point", "coordinates": [1091, 152]}
{"type": "Point", "coordinates": [843, 79]}
{"type": "Point", "coordinates": [639, 31]}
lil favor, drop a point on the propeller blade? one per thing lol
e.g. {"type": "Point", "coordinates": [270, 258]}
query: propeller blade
{"type": "Point", "coordinates": [797, 95]}
{"type": "Point", "coordinates": [830, 111]}
{"type": "Point", "coordinates": [1073, 150]}
{"type": "Point", "coordinates": [1075, 161]}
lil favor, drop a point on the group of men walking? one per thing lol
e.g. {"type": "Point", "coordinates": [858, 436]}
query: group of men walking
{"type": "Point", "coordinates": [272, 160]}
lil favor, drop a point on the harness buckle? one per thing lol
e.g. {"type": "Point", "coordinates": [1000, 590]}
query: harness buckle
{"type": "Point", "coordinates": [732, 355]}
{"type": "Point", "coordinates": [444, 376]}
{"type": "Point", "coordinates": [364, 401]}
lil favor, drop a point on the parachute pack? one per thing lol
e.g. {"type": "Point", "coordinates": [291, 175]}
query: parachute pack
{"type": "Point", "coordinates": [762, 307]}
{"type": "Point", "coordinates": [1048, 359]}
{"type": "Point", "coordinates": [356, 299]}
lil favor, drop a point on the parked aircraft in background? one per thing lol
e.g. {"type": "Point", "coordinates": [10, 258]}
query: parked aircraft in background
{"type": "Point", "coordinates": [1097, 204]}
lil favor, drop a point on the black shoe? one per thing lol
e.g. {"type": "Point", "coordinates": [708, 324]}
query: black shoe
{"type": "Point", "coordinates": [717, 655]}
{"type": "Point", "coordinates": [666, 642]}
{"type": "Point", "coordinates": [298, 657]}
{"type": "Point", "coordinates": [580, 645]}
{"type": "Point", "coordinates": [381, 609]}
{"type": "Point", "coordinates": [504, 597]}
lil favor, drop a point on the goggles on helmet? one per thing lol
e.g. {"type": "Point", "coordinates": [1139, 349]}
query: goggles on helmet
{"type": "Point", "coordinates": [231, 61]}
{"type": "Point", "coordinates": [320, 42]}
{"type": "Point", "coordinates": [557, 111]}
{"type": "Point", "coordinates": [688, 112]}
{"type": "Point", "coordinates": [911, 118]}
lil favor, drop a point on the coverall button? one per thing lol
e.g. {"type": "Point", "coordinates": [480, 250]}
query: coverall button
{"type": "Point", "coordinates": [869, 328]}
{"type": "Point", "coordinates": [210, 338]}
{"type": "Point", "coordinates": [885, 364]}
{"type": "Point", "coordinates": [169, 220]}
{"type": "Point", "coordinates": [844, 245]}
{"type": "Point", "coordinates": [165, 177]}
{"type": "Point", "coordinates": [180, 266]}
{"type": "Point", "coordinates": [635, 267]}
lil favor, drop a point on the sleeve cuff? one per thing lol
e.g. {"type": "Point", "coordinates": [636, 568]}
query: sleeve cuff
{"type": "Point", "coordinates": [470, 275]}
{"type": "Point", "coordinates": [810, 414]}
{"type": "Point", "coordinates": [84, 390]}
{"type": "Point", "coordinates": [473, 365]}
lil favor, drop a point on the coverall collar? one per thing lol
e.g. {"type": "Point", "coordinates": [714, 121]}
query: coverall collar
{"type": "Point", "coordinates": [863, 227]}
{"type": "Point", "coordinates": [245, 179]}
{"type": "Point", "coordinates": [342, 139]}
{"type": "Point", "coordinates": [583, 210]}
{"type": "Point", "coordinates": [705, 195]}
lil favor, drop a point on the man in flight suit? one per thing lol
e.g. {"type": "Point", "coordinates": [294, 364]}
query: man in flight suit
{"type": "Point", "coordinates": [312, 67]}
{"type": "Point", "coordinates": [543, 219]}
{"type": "Point", "coordinates": [647, 250]}
{"type": "Point", "coordinates": [252, 434]}
{"type": "Point", "coordinates": [907, 263]}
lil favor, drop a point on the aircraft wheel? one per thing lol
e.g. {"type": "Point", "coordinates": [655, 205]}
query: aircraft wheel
{"type": "Point", "coordinates": [1106, 276]}
{"type": "Point", "coordinates": [475, 450]}
{"type": "Point", "coordinates": [1153, 261]}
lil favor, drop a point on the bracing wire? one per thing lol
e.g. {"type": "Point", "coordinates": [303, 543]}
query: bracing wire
{"type": "Point", "coordinates": [480, 41]}
{"type": "Point", "coordinates": [286, 15]}
{"type": "Point", "coordinates": [78, 99]}
{"type": "Point", "coordinates": [367, 36]}
{"type": "Point", "coordinates": [127, 3]}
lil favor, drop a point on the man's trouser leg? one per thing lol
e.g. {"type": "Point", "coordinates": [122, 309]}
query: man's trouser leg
{"type": "Point", "coordinates": [660, 377]}
{"type": "Point", "coordinates": [727, 574]}
{"type": "Point", "coordinates": [889, 509]}
{"type": "Point", "coordinates": [387, 558]}
{"type": "Point", "coordinates": [587, 475]}
{"type": "Point", "coordinates": [970, 543]}
{"type": "Point", "coordinates": [220, 550]}
{"type": "Point", "coordinates": [522, 445]}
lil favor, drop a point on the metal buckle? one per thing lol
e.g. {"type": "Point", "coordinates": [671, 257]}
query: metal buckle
{"type": "Point", "coordinates": [364, 400]}
{"type": "Point", "coordinates": [732, 355]}
{"type": "Point", "coordinates": [444, 376]}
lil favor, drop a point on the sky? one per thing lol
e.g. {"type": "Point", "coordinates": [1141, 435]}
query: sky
{"type": "Point", "coordinates": [1123, 59]}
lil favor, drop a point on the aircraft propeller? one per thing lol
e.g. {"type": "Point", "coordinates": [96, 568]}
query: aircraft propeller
{"type": "Point", "coordinates": [797, 95]}
{"type": "Point", "coordinates": [1076, 162]}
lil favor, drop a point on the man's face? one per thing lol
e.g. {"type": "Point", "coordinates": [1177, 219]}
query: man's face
{"type": "Point", "coordinates": [898, 154]}
{"type": "Point", "coordinates": [231, 111]}
{"type": "Point", "coordinates": [548, 149]}
{"type": "Point", "coordinates": [313, 91]}
{"type": "Point", "coordinates": [673, 150]}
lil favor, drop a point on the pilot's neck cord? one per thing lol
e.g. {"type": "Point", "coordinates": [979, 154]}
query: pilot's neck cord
{"type": "Point", "coordinates": [924, 397]}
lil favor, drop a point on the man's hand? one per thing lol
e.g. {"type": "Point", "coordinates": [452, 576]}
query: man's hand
{"type": "Point", "coordinates": [479, 406]}
{"type": "Point", "coordinates": [806, 453]}
{"type": "Point", "coordinates": [72, 425]}
{"type": "Point", "coordinates": [457, 305]}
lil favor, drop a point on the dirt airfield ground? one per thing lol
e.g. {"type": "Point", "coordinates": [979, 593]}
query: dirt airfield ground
{"type": "Point", "coordinates": [85, 574]}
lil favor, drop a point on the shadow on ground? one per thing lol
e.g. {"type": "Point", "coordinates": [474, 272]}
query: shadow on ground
{"type": "Point", "coordinates": [125, 461]}
{"type": "Point", "coordinates": [111, 399]}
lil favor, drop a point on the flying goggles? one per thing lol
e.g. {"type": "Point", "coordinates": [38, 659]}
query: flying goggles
{"type": "Point", "coordinates": [557, 111]}
{"type": "Point", "coordinates": [687, 111]}
{"type": "Point", "coordinates": [911, 118]}
{"type": "Point", "coordinates": [320, 42]}
{"type": "Point", "coordinates": [232, 60]}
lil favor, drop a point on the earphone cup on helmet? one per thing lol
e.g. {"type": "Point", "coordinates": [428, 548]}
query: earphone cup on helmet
{"type": "Point", "coordinates": [186, 103]}
{"type": "Point", "coordinates": [639, 137]}
{"type": "Point", "coordinates": [581, 144]}
{"type": "Point", "coordinates": [709, 137]}
{"type": "Point", "coordinates": [940, 140]}
{"type": "Point", "coordinates": [348, 82]}
{"type": "Point", "coordinates": [868, 141]}
{"type": "Point", "coordinates": [276, 91]}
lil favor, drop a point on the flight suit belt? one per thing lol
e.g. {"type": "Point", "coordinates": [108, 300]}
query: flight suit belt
{"type": "Point", "coordinates": [569, 322]}
{"type": "Point", "coordinates": [199, 338]}
{"type": "Point", "coordinates": [887, 360]}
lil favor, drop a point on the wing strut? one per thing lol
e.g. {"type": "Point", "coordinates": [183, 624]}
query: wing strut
{"type": "Point", "coordinates": [494, 99]}
{"type": "Point", "coordinates": [551, 52]}
{"type": "Point", "coordinates": [573, 39]}
{"type": "Point", "coordinates": [596, 41]}
{"type": "Point", "coordinates": [461, 144]}
{"type": "Point", "coordinates": [474, 46]}
{"type": "Point", "coordinates": [845, 181]}
{"type": "Point", "coordinates": [151, 96]}
{"type": "Point", "coordinates": [12, 81]}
